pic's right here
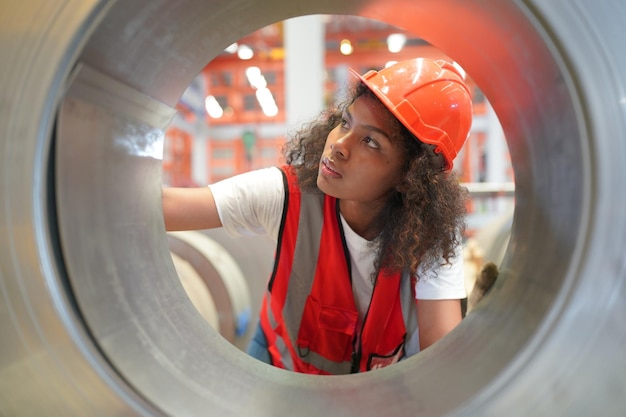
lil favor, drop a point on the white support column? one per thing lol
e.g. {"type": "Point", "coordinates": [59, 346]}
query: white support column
{"type": "Point", "coordinates": [497, 161]}
{"type": "Point", "coordinates": [304, 68]}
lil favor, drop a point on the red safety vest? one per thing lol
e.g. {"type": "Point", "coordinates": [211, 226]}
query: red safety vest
{"type": "Point", "coordinates": [309, 316]}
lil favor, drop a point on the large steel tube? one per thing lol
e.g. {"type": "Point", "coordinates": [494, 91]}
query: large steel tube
{"type": "Point", "coordinates": [93, 320]}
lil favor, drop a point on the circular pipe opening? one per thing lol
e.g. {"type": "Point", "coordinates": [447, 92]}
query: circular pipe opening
{"type": "Point", "coordinates": [529, 61]}
{"type": "Point", "coordinates": [150, 310]}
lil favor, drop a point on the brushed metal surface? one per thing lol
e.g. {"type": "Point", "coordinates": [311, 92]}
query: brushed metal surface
{"type": "Point", "coordinates": [93, 320]}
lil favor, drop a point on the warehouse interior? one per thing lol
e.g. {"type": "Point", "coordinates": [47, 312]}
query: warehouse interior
{"type": "Point", "coordinates": [222, 129]}
{"type": "Point", "coordinates": [104, 102]}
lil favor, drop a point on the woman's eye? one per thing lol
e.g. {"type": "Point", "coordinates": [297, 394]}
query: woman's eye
{"type": "Point", "coordinates": [371, 142]}
{"type": "Point", "coordinates": [344, 122]}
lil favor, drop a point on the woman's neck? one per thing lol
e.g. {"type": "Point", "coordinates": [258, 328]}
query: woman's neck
{"type": "Point", "coordinates": [360, 217]}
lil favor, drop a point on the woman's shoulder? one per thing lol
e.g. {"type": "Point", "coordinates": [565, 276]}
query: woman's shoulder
{"type": "Point", "coordinates": [258, 176]}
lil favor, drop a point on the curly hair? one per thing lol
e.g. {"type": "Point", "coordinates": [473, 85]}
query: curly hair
{"type": "Point", "coordinates": [422, 223]}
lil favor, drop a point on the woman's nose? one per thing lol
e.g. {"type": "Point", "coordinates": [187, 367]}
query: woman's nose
{"type": "Point", "coordinates": [341, 147]}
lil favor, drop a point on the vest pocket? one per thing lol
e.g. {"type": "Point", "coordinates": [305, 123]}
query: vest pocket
{"type": "Point", "coordinates": [326, 330]}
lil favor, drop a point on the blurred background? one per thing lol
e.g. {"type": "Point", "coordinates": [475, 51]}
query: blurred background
{"type": "Point", "coordinates": [239, 111]}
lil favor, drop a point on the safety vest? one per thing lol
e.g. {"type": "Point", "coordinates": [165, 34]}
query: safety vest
{"type": "Point", "coordinates": [309, 316]}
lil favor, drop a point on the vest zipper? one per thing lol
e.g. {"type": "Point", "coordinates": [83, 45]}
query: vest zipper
{"type": "Point", "coordinates": [357, 346]}
{"type": "Point", "coordinates": [356, 349]}
{"type": "Point", "coordinates": [356, 359]}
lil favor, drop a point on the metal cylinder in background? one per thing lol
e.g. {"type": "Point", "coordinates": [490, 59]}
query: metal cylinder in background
{"type": "Point", "coordinates": [221, 277]}
{"type": "Point", "coordinates": [93, 320]}
{"type": "Point", "coordinates": [198, 293]}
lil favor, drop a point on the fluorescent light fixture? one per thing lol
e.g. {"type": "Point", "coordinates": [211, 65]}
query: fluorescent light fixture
{"type": "Point", "coordinates": [266, 101]}
{"type": "Point", "coordinates": [213, 108]}
{"type": "Point", "coordinates": [255, 77]}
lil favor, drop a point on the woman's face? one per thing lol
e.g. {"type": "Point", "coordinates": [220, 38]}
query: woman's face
{"type": "Point", "coordinates": [361, 162]}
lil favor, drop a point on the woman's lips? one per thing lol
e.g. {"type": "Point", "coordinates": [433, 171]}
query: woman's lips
{"type": "Point", "coordinates": [328, 169]}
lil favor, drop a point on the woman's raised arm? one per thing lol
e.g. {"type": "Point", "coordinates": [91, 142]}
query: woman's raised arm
{"type": "Point", "coordinates": [436, 318]}
{"type": "Point", "coordinates": [189, 209]}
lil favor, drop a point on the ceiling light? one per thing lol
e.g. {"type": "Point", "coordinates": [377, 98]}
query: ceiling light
{"type": "Point", "coordinates": [245, 52]}
{"type": "Point", "coordinates": [255, 77]}
{"type": "Point", "coordinates": [213, 108]}
{"type": "Point", "coordinates": [266, 101]}
{"type": "Point", "coordinates": [232, 48]}
{"type": "Point", "coordinates": [395, 42]}
{"type": "Point", "coordinates": [345, 47]}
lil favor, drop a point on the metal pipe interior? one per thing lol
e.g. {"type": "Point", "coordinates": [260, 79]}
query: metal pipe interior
{"type": "Point", "coordinates": [93, 319]}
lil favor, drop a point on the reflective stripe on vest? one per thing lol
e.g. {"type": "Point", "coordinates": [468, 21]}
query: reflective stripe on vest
{"type": "Point", "coordinates": [309, 316]}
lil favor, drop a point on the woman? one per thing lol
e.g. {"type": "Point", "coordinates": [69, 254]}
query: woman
{"type": "Point", "coordinates": [368, 218]}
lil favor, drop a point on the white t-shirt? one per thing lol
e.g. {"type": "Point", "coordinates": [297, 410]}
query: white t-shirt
{"type": "Point", "coordinates": [252, 203]}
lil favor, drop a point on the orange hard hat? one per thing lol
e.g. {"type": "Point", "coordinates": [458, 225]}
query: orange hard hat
{"type": "Point", "coordinates": [429, 98]}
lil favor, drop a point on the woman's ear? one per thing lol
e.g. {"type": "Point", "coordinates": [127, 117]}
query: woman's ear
{"type": "Point", "coordinates": [402, 186]}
